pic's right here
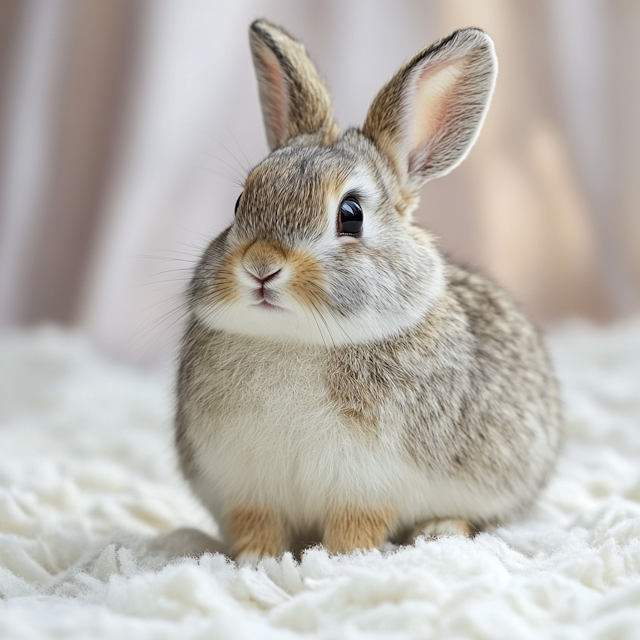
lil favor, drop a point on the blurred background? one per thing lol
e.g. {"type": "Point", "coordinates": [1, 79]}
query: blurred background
{"type": "Point", "coordinates": [127, 127]}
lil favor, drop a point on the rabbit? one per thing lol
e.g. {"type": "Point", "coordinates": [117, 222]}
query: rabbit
{"type": "Point", "coordinates": [340, 381]}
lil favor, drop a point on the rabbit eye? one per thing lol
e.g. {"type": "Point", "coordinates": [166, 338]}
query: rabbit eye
{"type": "Point", "coordinates": [237, 203]}
{"type": "Point", "coordinates": [350, 217]}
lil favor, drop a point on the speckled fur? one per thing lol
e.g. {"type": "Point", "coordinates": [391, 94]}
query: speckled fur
{"type": "Point", "coordinates": [381, 386]}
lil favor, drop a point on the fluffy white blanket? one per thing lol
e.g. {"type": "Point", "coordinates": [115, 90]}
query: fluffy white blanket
{"type": "Point", "coordinates": [88, 482]}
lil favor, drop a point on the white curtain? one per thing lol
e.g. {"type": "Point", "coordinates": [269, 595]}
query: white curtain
{"type": "Point", "coordinates": [127, 128]}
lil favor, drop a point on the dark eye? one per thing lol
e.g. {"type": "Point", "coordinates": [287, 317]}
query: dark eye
{"type": "Point", "coordinates": [237, 203]}
{"type": "Point", "coordinates": [350, 217]}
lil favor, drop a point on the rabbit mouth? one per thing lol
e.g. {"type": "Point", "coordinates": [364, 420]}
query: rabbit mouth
{"type": "Point", "coordinates": [267, 305]}
{"type": "Point", "coordinates": [265, 298]}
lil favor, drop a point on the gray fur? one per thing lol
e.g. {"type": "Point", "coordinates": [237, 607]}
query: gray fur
{"type": "Point", "coordinates": [427, 373]}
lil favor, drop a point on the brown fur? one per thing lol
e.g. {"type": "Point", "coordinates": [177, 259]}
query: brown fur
{"type": "Point", "coordinates": [262, 257]}
{"type": "Point", "coordinates": [351, 528]}
{"type": "Point", "coordinates": [354, 385]}
{"type": "Point", "coordinates": [308, 284]}
{"type": "Point", "coordinates": [256, 531]}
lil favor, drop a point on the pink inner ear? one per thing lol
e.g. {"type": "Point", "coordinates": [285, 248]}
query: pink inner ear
{"type": "Point", "coordinates": [434, 90]}
{"type": "Point", "coordinates": [275, 97]}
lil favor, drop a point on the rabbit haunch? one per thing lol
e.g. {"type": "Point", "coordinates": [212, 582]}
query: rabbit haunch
{"type": "Point", "coordinates": [357, 388]}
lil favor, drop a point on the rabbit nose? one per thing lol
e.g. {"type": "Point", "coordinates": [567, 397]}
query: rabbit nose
{"type": "Point", "coordinates": [263, 261]}
{"type": "Point", "coordinates": [262, 278]}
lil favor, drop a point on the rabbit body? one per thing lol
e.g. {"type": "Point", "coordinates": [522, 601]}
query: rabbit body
{"type": "Point", "coordinates": [449, 420]}
{"type": "Point", "coordinates": [347, 387]}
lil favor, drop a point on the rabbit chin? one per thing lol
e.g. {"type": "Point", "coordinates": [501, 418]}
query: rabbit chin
{"type": "Point", "coordinates": [312, 327]}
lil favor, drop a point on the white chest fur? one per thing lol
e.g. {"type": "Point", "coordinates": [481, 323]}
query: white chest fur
{"type": "Point", "coordinates": [275, 438]}
{"type": "Point", "coordinates": [268, 434]}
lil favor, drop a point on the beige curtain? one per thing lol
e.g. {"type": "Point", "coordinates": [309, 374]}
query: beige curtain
{"type": "Point", "coordinates": [126, 126]}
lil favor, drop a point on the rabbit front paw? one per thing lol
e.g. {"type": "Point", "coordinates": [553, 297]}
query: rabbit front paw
{"type": "Point", "coordinates": [256, 533]}
{"type": "Point", "coordinates": [437, 528]}
{"type": "Point", "coordinates": [351, 528]}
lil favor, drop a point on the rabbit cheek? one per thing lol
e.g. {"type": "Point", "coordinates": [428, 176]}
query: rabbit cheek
{"type": "Point", "coordinates": [226, 288]}
{"type": "Point", "coordinates": [307, 284]}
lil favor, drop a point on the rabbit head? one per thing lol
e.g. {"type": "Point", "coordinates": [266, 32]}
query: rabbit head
{"type": "Point", "coordinates": [322, 248]}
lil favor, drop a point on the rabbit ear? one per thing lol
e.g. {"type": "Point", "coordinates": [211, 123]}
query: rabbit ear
{"type": "Point", "coordinates": [294, 98]}
{"type": "Point", "coordinates": [426, 119]}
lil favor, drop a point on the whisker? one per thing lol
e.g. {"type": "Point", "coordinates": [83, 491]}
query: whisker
{"type": "Point", "coordinates": [306, 312]}
{"type": "Point", "coordinates": [325, 324]}
{"type": "Point", "coordinates": [178, 270]}
{"type": "Point", "coordinates": [239, 174]}
{"type": "Point", "coordinates": [182, 309]}
{"type": "Point", "coordinates": [195, 233]}
{"type": "Point", "coordinates": [166, 258]}
{"type": "Point", "coordinates": [249, 164]}
{"type": "Point", "coordinates": [235, 180]}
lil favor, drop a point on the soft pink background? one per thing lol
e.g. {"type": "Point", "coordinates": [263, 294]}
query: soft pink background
{"type": "Point", "coordinates": [125, 126]}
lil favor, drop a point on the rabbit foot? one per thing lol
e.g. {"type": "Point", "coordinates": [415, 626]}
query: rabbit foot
{"type": "Point", "coordinates": [349, 529]}
{"type": "Point", "coordinates": [437, 528]}
{"type": "Point", "coordinates": [249, 558]}
{"type": "Point", "coordinates": [255, 533]}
